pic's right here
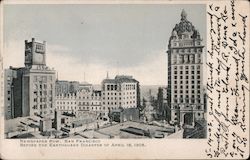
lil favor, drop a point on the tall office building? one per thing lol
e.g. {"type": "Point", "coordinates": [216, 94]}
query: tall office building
{"type": "Point", "coordinates": [30, 90]}
{"type": "Point", "coordinates": [185, 87]}
{"type": "Point", "coordinates": [120, 92]}
{"type": "Point", "coordinates": [38, 81]}
{"type": "Point", "coordinates": [10, 75]}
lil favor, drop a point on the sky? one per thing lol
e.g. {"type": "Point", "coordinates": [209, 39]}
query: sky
{"type": "Point", "coordinates": [94, 39]}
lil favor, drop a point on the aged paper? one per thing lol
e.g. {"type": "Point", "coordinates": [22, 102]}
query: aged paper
{"type": "Point", "coordinates": [124, 79]}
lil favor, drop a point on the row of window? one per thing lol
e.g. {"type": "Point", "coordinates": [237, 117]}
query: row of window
{"type": "Point", "coordinates": [187, 91]}
{"type": "Point", "coordinates": [129, 87]}
{"type": "Point", "coordinates": [189, 43]}
{"type": "Point", "coordinates": [90, 97]}
{"type": "Point", "coordinates": [75, 108]}
{"type": "Point", "coordinates": [188, 58]}
{"type": "Point", "coordinates": [88, 108]}
{"type": "Point", "coordinates": [115, 103]}
{"type": "Point", "coordinates": [80, 103]}
{"type": "Point", "coordinates": [79, 108]}
{"type": "Point", "coordinates": [39, 47]}
{"type": "Point", "coordinates": [187, 106]}
{"type": "Point", "coordinates": [43, 93]}
{"type": "Point", "coordinates": [124, 93]}
{"type": "Point", "coordinates": [96, 103]}
{"type": "Point", "coordinates": [111, 87]}
{"type": "Point", "coordinates": [187, 72]}
{"type": "Point", "coordinates": [44, 106]}
{"type": "Point", "coordinates": [187, 67]}
{"type": "Point", "coordinates": [186, 100]}
{"type": "Point", "coordinates": [114, 87]}
{"type": "Point", "coordinates": [187, 87]}
{"type": "Point", "coordinates": [66, 102]}
{"type": "Point", "coordinates": [187, 50]}
{"type": "Point", "coordinates": [181, 77]}
{"type": "Point", "coordinates": [87, 103]}
{"type": "Point", "coordinates": [115, 98]}
{"type": "Point", "coordinates": [42, 78]}
{"type": "Point", "coordinates": [42, 86]}
{"type": "Point", "coordinates": [187, 96]}
{"type": "Point", "coordinates": [198, 114]}
{"type": "Point", "coordinates": [46, 99]}
{"type": "Point", "coordinates": [187, 82]}
{"type": "Point", "coordinates": [43, 112]}
{"type": "Point", "coordinates": [73, 97]}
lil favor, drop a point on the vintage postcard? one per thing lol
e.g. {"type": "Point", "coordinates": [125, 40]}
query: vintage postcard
{"type": "Point", "coordinates": [124, 79]}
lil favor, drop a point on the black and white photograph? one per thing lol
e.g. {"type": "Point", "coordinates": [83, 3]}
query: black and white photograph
{"type": "Point", "coordinates": [104, 71]}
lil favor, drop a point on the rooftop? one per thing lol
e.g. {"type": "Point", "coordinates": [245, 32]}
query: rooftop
{"type": "Point", "coordinates": [120, 79]}
{"type": "Point", "coordinates": [184, 26]}
{"type": "Point", "coordinates": [115, 130]}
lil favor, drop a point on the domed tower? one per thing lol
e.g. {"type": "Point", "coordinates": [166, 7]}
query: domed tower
{"type": "Point", "coordinates": [185, 91]}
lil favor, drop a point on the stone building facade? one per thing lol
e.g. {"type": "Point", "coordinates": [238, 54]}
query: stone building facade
{"type": "Point", "coordinates": [120, 92]}
{"type": "Point", "coordinates": [185, 78]}
{"type": "Point", "coordinates": [30, 90]}
{"type": "Point", "coordinates": [80, 102]}
{"type": "Point", "coordinates": [38, 81]}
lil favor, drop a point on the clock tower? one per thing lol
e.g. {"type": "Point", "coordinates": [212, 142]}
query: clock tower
{"type": "Point", "coordinates": [38, 82]}
{"type": "Point", "coordinates": [35, 53]}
